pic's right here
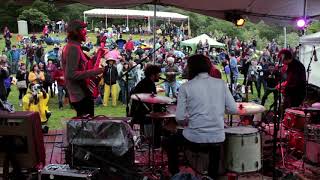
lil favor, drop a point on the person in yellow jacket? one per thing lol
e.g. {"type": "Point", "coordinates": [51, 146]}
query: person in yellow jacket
{"type": "Point", "coordinates": [36, 100]}
{"type": "Point", "coordinates": [110, 77]}
{"type": "Point", "coordinates": [36, 76]}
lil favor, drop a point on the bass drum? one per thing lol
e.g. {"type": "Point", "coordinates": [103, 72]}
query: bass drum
{"type": "Point", "coordinates": [243, 149]}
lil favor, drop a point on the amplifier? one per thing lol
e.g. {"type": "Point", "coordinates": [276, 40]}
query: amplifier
{"type": "Point", "coordinates": [64, 172]}
{"type": "Point", "coordinates": [100, 142]}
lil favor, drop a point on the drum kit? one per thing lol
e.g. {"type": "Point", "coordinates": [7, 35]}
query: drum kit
{"type": "Point", "coordinates": [243, 144]}
{"type": "Point", "coordinates": [303, 132]}
{"type": "Point", "coordinates": [239, 140]}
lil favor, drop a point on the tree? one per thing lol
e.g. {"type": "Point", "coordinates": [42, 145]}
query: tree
{"type": "Point", "coordinates": [34, 17]}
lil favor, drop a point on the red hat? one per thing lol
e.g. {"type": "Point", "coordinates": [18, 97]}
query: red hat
{"type": "Point", "coordinates": [76, 25]}
{"type": "Point", "coordinates": [285, 54]}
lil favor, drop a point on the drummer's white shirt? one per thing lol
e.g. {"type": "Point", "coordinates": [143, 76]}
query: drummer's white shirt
{"type": "Point", "coordinates": [203, 102]}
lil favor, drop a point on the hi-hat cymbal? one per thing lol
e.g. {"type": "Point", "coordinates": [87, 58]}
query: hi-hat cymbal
{"type": "Point", "coordinates": [245, 108]}
{"type": "Point", "coordinates": [151, 98]}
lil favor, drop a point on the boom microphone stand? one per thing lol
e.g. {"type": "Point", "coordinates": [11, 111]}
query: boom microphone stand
{"type": "Point", "coordinates": [126, 74]}
{"type": "Point", "coordinates": [313, 57]}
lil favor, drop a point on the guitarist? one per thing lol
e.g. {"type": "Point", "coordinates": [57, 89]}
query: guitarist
{"type": "Point", "coordinates": [77, 73]}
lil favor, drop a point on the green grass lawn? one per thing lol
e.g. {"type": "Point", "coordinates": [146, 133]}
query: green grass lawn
{"type": "Point", "coordinates": [59, 116]}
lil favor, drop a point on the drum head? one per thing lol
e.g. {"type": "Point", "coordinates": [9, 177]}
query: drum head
{"type": "Point", "coordinates": [295, 112]}
{"type": "Point", "coordinates": [241, 130]}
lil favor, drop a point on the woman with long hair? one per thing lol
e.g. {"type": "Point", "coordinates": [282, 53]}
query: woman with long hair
{"type": "Point", "coordinates": [123, 80]}
{"type": "Point", "coordinates": [36, 76]}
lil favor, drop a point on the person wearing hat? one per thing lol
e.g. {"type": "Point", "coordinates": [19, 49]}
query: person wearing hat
{"type": "Point", "coordinates": [76, 72]}
{"type": "Point", "coordinates": [110, 77]}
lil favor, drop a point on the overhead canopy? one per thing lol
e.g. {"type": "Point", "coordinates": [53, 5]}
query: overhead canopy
{"type": "Point", "coordinates": [139, 14]}
{"type": "Point", "coordinates": [194, 41]}
{"type": "Point", "coordinates": [270, 11]}
{"type": "Point", "coordinates": [307, 45]}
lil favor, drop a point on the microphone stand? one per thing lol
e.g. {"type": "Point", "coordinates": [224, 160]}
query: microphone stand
{"type": "Point", "coordinates": [309, 68]}
{"type": "Point", "coordinates": [276, 122]}
{"type": "Point", "coordinates": [230, 87]}
{"type": "Point", "coordinates": [126, 74]}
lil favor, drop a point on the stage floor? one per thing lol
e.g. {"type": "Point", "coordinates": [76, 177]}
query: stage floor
{"type": "Point", "coordinates": [55, 143]}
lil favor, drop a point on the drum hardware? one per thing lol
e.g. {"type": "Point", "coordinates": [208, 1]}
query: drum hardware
{"type": "Point", "coordinates": [156, 116]}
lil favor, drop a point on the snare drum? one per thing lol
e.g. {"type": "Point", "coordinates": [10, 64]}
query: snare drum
{"type": "Point", "coordinates": [294, 119]}
{"type": "Point", "coordinates": [242, 149]}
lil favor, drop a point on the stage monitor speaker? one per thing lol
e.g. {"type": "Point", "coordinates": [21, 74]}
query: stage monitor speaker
{"type": "Point", "coordinates": [100, 142]}
{"type": "Point", "coordinates": [21, 137]}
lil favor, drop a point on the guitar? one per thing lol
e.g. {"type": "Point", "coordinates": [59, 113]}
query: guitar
{"type": "Point", "coordinates": [94, 63]}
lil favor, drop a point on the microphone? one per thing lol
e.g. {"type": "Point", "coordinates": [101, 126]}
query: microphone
{"type": "Point", "coordinates": [164, 79]}
{"type": "Point", "coordinates": [315, 54]}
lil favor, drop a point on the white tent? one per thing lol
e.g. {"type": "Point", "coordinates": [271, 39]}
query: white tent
{"type": "Point", "coordinates": [138, 14]}
{"type": "Point", "coordinates": [307, 45]}
{"type": "Point", "coordinates": [194, 41]}
{"type": "Point", "coordinates": [134, 14]}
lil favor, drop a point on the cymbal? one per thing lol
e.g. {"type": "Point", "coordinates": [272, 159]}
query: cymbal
{"type": "Point", "coordinates": [316, 105]}
{"type": "Point", "coordinates": [309, 109]}
{"type": "Point", "coordinates": [151, 98]}
{"type": "Point", "coordinates": [159, 115]}
{"type": "Point", "coordinates": [245, 108]}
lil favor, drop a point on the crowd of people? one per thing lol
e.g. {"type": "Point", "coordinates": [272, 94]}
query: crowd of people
{"type": "Point", "coordinates": [29, 62]}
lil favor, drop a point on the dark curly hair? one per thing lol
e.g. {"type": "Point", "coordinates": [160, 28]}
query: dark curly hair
{"type": "Point", "coordinates": [151, 70]}
{"type": "Point", "coordinates": [198, 64]}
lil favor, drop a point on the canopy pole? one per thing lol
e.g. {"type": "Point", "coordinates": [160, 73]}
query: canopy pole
{"type": "Point", "coordinates": [154, 31]}
{"type": "Point", "coordinates": [106, 21]}
{"type": "Point", "coordinates": [149, 25]}
{"type": "Point", "coordinates": [84, 18]}
{"type": "Point", "coordinates": [304, 15]}
{"type": "Point", "coordinates": [92, 25]}
{"type": "Point", "coordinates": [285, 36]}
{"type": "Point", "coordinates": [127, 21]}
{"type": "Point", "coordinates": [189, 30]}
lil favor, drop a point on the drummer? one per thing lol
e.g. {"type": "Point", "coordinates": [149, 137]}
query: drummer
{"type": "Point", "coordinates": [146, 85]}
{"type": "Point", "coordinates": [202, 102]}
